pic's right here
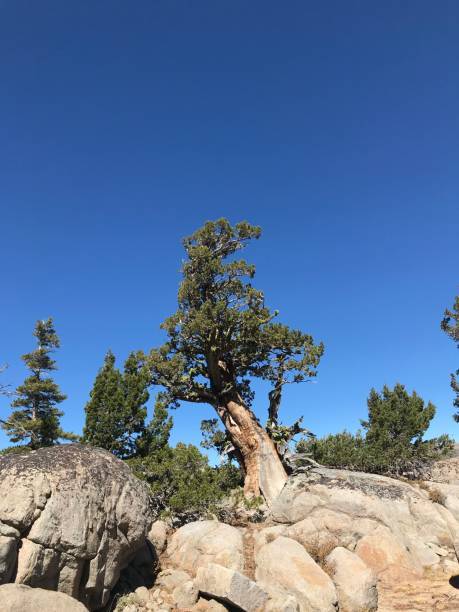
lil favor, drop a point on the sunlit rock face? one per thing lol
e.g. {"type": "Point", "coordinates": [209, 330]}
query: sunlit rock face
{"type": "Point", "coordinates": [71, 518]}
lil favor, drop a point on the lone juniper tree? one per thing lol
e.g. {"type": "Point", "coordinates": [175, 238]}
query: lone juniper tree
{"type": "Point", "coordinates": [450, 325]}
{"type": "Point", "coordinates": [221, 338]}
{"type": "Point", "coordinates": [36, 420]}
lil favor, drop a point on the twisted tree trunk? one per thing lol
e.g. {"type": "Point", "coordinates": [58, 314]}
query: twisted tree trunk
{"type": "Point", "coordinates": [264, 472]}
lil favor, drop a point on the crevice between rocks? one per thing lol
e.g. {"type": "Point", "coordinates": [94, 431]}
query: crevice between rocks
{"type": "Point", "coordinates": [249, 552]}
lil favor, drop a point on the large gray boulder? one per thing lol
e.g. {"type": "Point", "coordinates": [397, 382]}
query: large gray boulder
{"type": "Point", "coordinates": [21, 598]}
{"type": "Point", "coordinates": [72, 518]}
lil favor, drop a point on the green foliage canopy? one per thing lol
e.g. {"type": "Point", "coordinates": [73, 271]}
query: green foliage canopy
{"type": "Point", "coordinates": [116, 411]}
{"type": "Point", "coordinates": [396, 420]}
{"type": "Point", "coordinates": [155, 436]}
{"type": "Point", "coordinates": [223, 334]}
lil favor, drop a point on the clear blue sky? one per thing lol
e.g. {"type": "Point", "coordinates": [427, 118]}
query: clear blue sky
{"type": "Point", "coordinates": [333, 125]}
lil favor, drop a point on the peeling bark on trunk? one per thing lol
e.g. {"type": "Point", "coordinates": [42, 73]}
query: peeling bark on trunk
{"type": "Point", "coordinates": [264, 472]}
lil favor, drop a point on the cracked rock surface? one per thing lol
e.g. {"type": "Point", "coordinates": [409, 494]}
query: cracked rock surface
{"type": "Point", "coordinates": [71, 518]}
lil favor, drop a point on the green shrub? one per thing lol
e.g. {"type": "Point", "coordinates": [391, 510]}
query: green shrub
{"type": "Point", "coordinates": [336, 450]}
{"type": "Point", "coordinates": [183, 485]}
{"type": "Point", "coordinates": [393, 443]}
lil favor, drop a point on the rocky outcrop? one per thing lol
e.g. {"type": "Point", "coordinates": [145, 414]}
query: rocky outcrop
{"type": "Point", "coordinates": [75, 520]}
{"type": "Point", "coordinates": [334, 540]}
{"type": "Point", "coordinates": [71, 518]}
{"type": "Point", "coordinates": [21, 598]}
{"type": "Point", "coordinates": [378, 517]}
